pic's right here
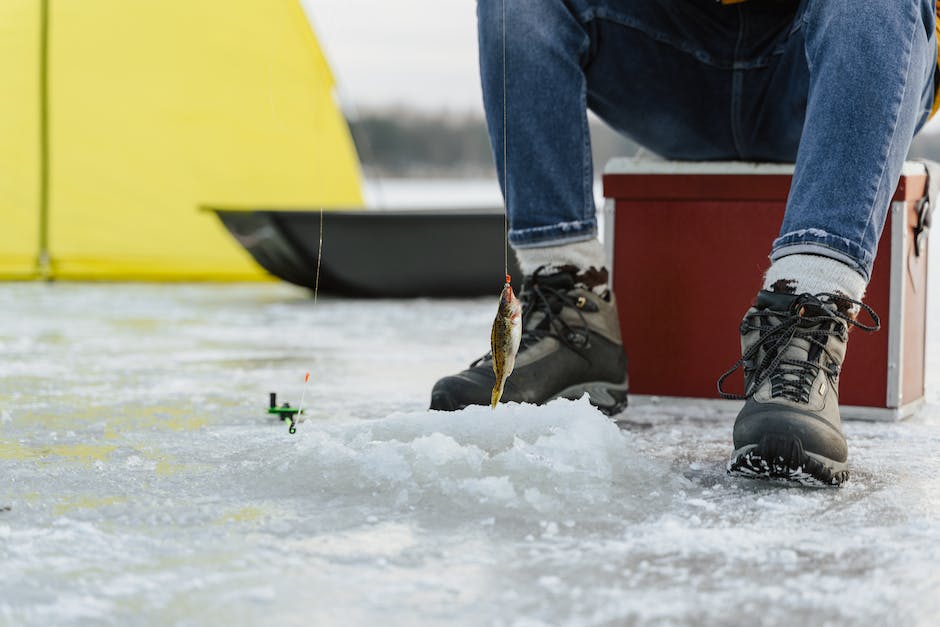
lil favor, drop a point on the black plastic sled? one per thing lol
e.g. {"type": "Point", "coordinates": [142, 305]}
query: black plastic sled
{"type": "Point", "coordinates": [379, 254]}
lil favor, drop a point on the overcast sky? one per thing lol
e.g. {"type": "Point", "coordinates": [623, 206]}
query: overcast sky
{"type": "Point", "coordinates": [417, 52]}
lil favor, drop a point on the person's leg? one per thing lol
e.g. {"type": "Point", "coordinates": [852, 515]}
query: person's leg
{"type": "Point", "coordinates": [548, 194]}
{"type": "Point", "coordinates": [870, 67]}
{"type": "Point", "coordinates": [656, 70]}
{"type": "Point", "coordinates": [868, 73]}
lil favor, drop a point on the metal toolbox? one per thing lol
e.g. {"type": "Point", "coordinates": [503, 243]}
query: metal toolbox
{"type": "Point", "coordinates": [688, 244]}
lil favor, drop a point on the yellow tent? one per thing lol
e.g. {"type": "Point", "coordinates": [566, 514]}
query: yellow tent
{"type": "Point", "coordinates": [118, 118]}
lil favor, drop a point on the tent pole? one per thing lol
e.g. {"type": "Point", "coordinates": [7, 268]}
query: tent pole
{"type": "Point", "coordinates": [44, 261]}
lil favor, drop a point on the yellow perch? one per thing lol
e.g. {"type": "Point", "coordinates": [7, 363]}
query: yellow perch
{"type": "Point", "coordinates": [504, 340]}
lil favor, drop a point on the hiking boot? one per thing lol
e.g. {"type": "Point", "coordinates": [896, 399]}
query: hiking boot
{"type": "Point", "coordinates": [570, 346]}
{"type": "Point", "coordinates": [792, 351]}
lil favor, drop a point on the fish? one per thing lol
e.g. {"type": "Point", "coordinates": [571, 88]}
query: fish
{"type": "Point", "coordinates": [505, 338]}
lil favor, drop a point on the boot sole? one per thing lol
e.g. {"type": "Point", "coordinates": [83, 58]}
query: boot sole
{"type": "Point", "coordinates": [609, 398]}
{"type": "Point", "coordinates": [781, 457]}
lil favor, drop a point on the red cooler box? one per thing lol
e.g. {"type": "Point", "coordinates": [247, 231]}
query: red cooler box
{"type": "Point", "coordinates": [689, 244]}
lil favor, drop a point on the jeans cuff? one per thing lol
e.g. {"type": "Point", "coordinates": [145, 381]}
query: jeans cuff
{"type": "Point", "coordinates": [561, 233]}
{"type": "Point", "coordinates": [819, 242]}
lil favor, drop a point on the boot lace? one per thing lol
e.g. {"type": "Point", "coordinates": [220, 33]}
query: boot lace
{"type": "Point", "coordinates": [792, 378]}
{"type": "Point", "coordinates": [549, 300]}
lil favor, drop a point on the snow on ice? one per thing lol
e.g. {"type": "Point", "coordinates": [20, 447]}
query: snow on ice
{"type": "Point", "coordinates": [141, 481]}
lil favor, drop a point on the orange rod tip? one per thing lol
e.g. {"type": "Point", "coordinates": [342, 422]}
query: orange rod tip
{"type": "Point", "coordinates": [307, 377]}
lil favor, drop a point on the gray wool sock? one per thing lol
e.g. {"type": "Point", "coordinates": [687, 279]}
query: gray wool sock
{"type": "Point", "coordinates": [585, 259]}
{"type": "Point", "coordinates": [796, 274]}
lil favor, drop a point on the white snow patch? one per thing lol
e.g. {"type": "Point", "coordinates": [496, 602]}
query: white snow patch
{"type": "Point", "coordinates": [563, 457]}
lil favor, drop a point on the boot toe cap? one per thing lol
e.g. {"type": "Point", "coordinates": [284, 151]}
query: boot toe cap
{"type": "Point", "coordinates": [458, 391]}
{"type": "Point", "coordinates": [815, 434]}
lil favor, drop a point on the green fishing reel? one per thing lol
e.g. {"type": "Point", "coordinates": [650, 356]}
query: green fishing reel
{"type": "Point", "coordinates": [284, 412]}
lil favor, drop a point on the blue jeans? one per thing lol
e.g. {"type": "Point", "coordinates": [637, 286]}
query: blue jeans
{"type": "Point", "coordinates": [838, 86]}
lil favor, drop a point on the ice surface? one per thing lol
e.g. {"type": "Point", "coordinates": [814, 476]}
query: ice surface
{"type": "Point", "coordinates": [141, 481]}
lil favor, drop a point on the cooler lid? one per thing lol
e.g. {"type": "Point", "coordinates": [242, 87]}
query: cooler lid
{"type": "Point", "coordinates": [627, 178]}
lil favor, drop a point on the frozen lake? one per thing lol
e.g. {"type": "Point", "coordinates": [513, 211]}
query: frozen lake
{"type": "Point", "coordinates": [141, 481]}
{"type": "Point", "coordinates": [424, 193]}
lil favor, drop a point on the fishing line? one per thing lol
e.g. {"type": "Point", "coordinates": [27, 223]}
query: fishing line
{"type": "Point", "coordinates": [316, 282]}
{"type": "Point", "coordinates": [285, 411]}
{"type": "Point", "coordinates": [507, 327]}
{"type": "Point", "coordinates": [316, 292]}
{"type": "Point", "coordinates": [505, 161]}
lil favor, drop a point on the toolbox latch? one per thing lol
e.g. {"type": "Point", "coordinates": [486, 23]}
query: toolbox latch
{"type": "Point", "coordinates": [922, 228]}
{"type": "Point", "coordinates": [925, 205]}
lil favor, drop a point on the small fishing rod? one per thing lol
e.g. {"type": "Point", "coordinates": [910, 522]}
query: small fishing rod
{"type": "Point", "coordinates": [284, 411]}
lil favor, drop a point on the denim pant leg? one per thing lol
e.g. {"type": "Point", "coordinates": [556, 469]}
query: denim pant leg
{"type": "Point", "coordinates": [655, 70]}
{"type": "Point", "coordinates": [548, 191]}
{"type": "Point", "coordinates": [871, 66]}
{"type": "Point", "coordinates": [692, 79]}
